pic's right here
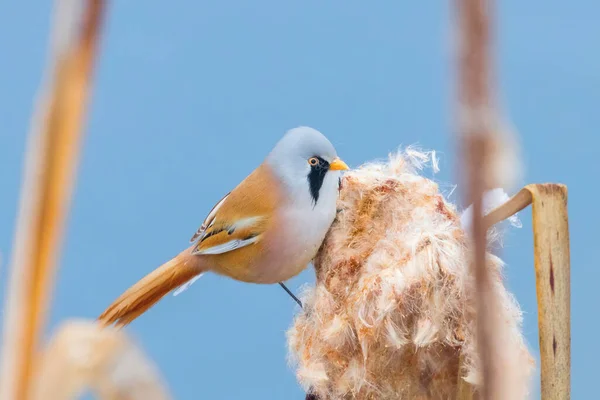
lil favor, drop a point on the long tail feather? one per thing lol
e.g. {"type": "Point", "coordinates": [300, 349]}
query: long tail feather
{"type": "Point", "coordinates": [150, 289]}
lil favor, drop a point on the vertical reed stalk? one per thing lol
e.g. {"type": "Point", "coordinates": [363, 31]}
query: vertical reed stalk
{"type": "Point", "coordinates": [476, 137]}
{"type": "Point", "coordinates": [553, 284]}
{"type": "Point", "coordinates": [553, 279]}
{"type": "Point", "coordinates": [52, 154]}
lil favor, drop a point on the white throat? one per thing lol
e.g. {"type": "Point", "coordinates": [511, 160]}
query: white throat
{"type": "Point", "coordinates": [308, 219]}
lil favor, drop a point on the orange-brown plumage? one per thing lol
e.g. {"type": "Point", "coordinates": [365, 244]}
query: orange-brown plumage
{"type": "Point", "coordinates": [150, 289]}
{"type": "Point", "coordinates": [248, 200]}
{"type": "Point", "coordinates": [245, 201]}
{"type": "Point", "coordinates": [265, 231]}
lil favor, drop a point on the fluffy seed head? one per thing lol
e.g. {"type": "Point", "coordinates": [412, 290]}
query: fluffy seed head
{"type": "Point", "coordinates": [392, 311]}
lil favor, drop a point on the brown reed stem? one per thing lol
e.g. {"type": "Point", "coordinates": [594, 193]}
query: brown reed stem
{"type": "Point", "coordinates": [477, 139]}
{"type": "Point", "coordinates": [553, 279]}
{"type": "Point", "coordinates": [553, 284]}
{"type": "Point", "coordinates": [515, 204]}
{"type": "Point", "coordinates": [53, 148]}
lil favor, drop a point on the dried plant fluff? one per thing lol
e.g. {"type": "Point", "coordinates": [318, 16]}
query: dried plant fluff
{"type": "Point", "coordinates": [392, 311]}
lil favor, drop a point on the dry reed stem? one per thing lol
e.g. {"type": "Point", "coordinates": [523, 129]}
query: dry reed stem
{"type": "Point", "coordinates": [553, 280]}
{"type": "Point", "coordinates": [84, 354]}
{"type": "Point", "coordinates": [553, 284]}
{"type": "Point", "coordinates": [53, 147]}
{"type": "Point", "coordinates": [477, 143]}
{"type": "Point", "coordinates": [515, 204]}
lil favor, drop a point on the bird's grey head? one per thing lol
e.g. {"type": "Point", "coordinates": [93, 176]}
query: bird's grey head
{"type": "Point", "coordinates": [305, 160]}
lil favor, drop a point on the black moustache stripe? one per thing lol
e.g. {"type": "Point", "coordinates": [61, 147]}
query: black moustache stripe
{"type": "Point", "coordinates": [316, 176]}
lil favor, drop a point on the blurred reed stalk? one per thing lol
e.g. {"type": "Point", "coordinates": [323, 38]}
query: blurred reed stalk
{"type": "Point", "coordinates": [52, 154]}
{"type": "Point", "coordinates": [476, 141]}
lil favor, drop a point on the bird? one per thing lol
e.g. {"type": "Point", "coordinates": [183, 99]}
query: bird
{"type": "Point", "coordinates": [264, 231]}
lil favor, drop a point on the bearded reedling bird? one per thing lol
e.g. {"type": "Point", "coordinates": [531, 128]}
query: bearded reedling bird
{"type": "Point", "coordinates": [266, 230]}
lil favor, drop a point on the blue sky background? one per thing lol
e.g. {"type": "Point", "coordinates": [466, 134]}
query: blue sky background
{"type": "Point", "coordinates": [189, 97]}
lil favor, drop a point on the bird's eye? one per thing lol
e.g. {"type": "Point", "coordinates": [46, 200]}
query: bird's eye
{"type": "Point", "coordinates": [313, 161]}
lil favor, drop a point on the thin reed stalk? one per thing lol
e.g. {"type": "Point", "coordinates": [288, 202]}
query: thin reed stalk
{"type": "Point", "coordinates": [477, 143]}
{"type": "Point", "coordinates": [52, 154]}
{"type": "Point", "coordinates": [553, 280]}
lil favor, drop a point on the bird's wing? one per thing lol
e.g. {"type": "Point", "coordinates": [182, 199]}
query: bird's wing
{"type": "Point", "coordinates": [227, 235]}
{"type": "Point", "coordinates": [210, 218]}
{"type": "Point", "coordinates": [241, 217]}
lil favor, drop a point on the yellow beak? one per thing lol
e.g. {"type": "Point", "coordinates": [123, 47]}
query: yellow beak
{"type": "Point", "coordinates": [338, 165]}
